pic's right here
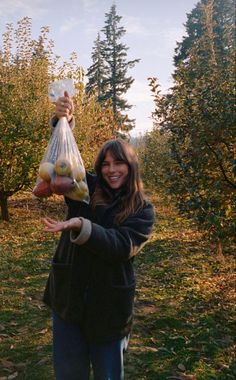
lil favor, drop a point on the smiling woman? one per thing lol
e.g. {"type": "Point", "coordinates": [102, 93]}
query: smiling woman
{"type": "Point", "coordinates": [91, 285]}
{"type": "Point", "coordinates": [114, 172]}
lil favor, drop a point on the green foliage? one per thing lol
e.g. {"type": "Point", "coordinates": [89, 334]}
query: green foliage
{"type": "Point", "coordinates": [24, 106]}
{"type": "Point", "coordinates": [97, 72]}
{"type": "Point", "coordinates": [27, 66]}
{"type": "Point", "coordinates": [94, 125]}
{"type": "Point", "coordinates": [198, 119]}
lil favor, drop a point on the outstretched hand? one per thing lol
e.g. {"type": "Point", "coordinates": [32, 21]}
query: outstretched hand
{"type": "Point", "coordinates": [52, 225]}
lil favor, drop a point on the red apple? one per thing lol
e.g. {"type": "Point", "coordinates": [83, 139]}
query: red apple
{"type": "Point", "coordinates": [63, 167]}
{"type": "Point", "coordinates": [46, 170]}
{"type": "Point", "coordinates": [42, 189]}
{"type": "Point", "coordinates": [61, 184]}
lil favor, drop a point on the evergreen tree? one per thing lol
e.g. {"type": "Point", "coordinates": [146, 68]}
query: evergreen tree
{"type": "Point", "coordinates": [114, 81]}
{"type": "Point", "coordinates": [97, 72]}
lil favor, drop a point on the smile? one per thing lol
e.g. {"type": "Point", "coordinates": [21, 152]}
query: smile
{"type": "Point", "coordinates": [114, 178]}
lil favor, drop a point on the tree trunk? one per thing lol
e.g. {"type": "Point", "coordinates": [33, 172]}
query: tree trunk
{"type": "Point", "coordinates": [4, 207]}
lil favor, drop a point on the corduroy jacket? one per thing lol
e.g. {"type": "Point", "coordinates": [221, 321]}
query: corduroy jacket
{"type": "Point", "coordinates": [92, 280]}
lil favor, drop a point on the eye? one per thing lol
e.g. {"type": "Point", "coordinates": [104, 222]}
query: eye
{"type": "Point", "coordinates": [119, 162]}
{"type": "Point", "coordinates": [104, 163]}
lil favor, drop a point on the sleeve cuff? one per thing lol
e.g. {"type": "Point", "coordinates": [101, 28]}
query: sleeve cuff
{"type": "Point", "coordinates": [54, 120]}
{"type": "Point", "coordinates": [84, 233]}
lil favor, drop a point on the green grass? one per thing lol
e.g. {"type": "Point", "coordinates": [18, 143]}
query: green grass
{"type": "Point", "coordinates": [185, 302]}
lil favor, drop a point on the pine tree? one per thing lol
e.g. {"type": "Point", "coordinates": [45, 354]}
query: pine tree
{"type": "Point", "coordinates": [97, 72]}
{"type": "Point", "coordinates": [111, 80]}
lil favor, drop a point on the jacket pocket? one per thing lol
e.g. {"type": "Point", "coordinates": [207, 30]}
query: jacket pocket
{"type": "Point", "coordinates": [57, 293]}
{"type": "Point", "coordinates": [122, 302]}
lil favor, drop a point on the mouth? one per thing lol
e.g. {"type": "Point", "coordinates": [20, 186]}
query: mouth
{"type": "Point", "coordinates": [114, 178]}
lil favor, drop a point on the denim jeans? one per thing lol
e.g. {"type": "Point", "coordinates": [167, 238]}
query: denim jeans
{"type": "Point", "coordinates": [73, 355]}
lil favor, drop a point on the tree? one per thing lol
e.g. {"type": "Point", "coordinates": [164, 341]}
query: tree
{"type": "Point", "coordinates": [198, 116]}
{"type": "Point", "coordinates": [24, 108]}
{"type": "Point", "coordinates": [114, 81]}
{"type": "Point", "coordinates": [26, 68]}
{"type": "Point", "coordinates": [97, 72]}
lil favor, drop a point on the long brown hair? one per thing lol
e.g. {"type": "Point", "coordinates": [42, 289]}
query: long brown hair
{"type": "Point", "coordinates": [132, 193]}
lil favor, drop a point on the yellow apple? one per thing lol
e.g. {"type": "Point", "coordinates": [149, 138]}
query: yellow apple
{"type": "Point", "coordinates": [46, 171]}
{"type": "Point", "coordinates": [63, 167]}
{"type": "Point", "coordinates": [78, 172]}
{"type": "Point", "coordinates": [79, 191]}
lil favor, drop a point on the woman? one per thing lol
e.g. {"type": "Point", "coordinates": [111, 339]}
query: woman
{"type": "Point", "coordinates": [91, 284]}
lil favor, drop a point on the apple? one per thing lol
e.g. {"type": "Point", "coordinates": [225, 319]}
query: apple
{"type": "Point", "coordinates": [79, 191]}
{"type": "Point", "coordinates": [42, 189]}
{"type": "Point", "coordinates": [63, 167]}
{"type": "Point", "coordinates": [61, 184]}
{"type": "Point", "coordinates": [46, 171]}
{"type": "Point", "coordinates": [78, 172]}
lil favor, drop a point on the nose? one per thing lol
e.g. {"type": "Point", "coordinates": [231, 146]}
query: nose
{"type": "Point", "coordinates": [111, 167]}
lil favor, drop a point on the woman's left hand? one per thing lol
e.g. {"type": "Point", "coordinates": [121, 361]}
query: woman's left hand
{"type": "Point", "coordinates": [52, 225]}
{"type": "Point", "coordinates": [64, 107]}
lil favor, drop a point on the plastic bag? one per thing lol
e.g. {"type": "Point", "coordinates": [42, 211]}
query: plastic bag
{"type": "Point", "coordinates": [56, 89]}
{"type": "Point", "coordinates": [61, 170]}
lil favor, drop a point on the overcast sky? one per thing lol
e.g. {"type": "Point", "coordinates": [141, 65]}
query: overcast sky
{"type": "Point", "coordinates": [152, 29]}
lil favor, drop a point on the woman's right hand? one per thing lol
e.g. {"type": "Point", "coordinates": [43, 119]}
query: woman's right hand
{"type": "Point", "coordinates": [64, 107]}
{"type": "Point", "coordinates": [52, 225]}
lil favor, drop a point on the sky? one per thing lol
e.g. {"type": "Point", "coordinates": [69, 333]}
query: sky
{"type": "Point", "coordinates": [153, 27]}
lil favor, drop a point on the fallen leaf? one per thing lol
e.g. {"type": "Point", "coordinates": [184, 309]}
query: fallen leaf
{"type": "Point", "coordinates": [181, 367]}
{"type": "Point", "coordinates": [13, 376]}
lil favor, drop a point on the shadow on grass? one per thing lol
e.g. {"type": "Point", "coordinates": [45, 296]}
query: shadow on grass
{"type": "Point", "coordinates": [25, 331]}
{"type": "Point", "coordinates": [184, 315]}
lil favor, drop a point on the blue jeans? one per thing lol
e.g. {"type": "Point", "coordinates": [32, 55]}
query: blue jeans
{"type": "Point", "coordinates": [72, 355]}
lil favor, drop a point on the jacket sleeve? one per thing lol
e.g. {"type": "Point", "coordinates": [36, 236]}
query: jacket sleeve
{"type": "Point", "coordinates": [122, 242]}
{"type": "Point", "coordinates": [54, 120]}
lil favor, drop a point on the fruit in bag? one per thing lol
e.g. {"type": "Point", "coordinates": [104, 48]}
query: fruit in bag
{"type": "Point", "coordinates": [78, 173]}
{"type": "Point", "coordinates": [46, 171]}
{"type": "Point", "coordinates": [63, 167]}
{"type": "Point", "coordinates": [42, 189]}
{"type": "Point", "coordinates": [79, 191]}
{"type": "Point", "coordinates": [61, 184]}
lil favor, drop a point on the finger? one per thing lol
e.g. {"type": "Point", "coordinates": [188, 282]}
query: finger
{"type": "Point", "coordinates": [66, 94]}
{"type": "Point", "coordinates": [50, 220]}
{"type": "Point", "coordinates": [49, 224]}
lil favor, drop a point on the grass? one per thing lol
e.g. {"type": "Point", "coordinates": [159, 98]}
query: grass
{"type": "Point", "coordinates": [185, 302]}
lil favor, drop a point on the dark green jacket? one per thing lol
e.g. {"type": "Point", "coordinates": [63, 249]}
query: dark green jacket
{"type": "Point", "coordinates": [93, 284]}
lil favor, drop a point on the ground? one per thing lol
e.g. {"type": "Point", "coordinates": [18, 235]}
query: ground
{"type": "Point", "coordinates": [184, 309]}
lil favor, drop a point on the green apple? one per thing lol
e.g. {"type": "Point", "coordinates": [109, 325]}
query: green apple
{"type": "Point", "coordinates": [63, 167]}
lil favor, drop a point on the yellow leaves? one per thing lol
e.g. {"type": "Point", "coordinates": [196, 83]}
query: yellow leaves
{"type": "Point", "coordinates": [228, 211]}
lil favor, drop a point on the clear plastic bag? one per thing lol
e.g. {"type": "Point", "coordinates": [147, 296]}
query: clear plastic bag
{"type": "Point", "coordinates": [56, 89]}
{"type": "Point", "coordinates": [61, 170]}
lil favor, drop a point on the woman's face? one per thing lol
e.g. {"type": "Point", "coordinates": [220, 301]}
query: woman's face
{"type": "Point", "coordinates": [114, 172]}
